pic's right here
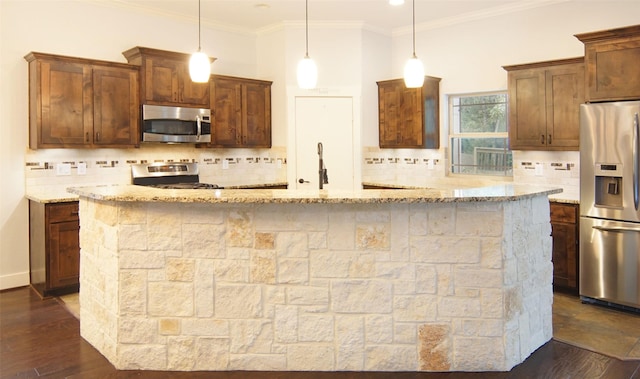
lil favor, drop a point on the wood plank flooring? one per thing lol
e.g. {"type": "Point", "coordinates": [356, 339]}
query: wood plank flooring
{"type": "Point", "coordinates": [40, 338]}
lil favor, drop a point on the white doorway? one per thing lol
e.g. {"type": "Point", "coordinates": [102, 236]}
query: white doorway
{"type": "Point", "coordinates": [328, 120]}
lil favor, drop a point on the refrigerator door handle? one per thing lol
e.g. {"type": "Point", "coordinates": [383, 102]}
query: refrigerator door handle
{"type": "Point", "coordinates": [615, 230]}
{"type": "Point", "coordinates": [636, 162]}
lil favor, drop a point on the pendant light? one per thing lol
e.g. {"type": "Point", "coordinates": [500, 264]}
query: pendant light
{"type": "Point", "coordinates": [199, 64]}
{"type": "Point", "coordinates": [307, 70]}
{"type": "Point", "coordinates": [413, 69]}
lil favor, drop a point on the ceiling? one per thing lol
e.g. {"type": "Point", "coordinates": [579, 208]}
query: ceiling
{"type": "Point", "coordinates": [254, 15]}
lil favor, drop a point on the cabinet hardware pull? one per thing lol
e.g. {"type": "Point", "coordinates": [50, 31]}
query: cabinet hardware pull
{"type": "Point", "coordinates": [87, 137]}
{"type": "Point", "coordinates": [549, 139]}
{"type": "Point", "coordinates": [97, 136]}
{"type": "Point", "coordinates": [542, 139]}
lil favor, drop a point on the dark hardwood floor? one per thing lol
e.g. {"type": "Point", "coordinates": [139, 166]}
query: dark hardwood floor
{"type": "Point", "coordinates": [40, 338]}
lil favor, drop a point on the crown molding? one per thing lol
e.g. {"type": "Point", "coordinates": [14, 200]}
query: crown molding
{"type": "Point", "coordinates": [477, 15]}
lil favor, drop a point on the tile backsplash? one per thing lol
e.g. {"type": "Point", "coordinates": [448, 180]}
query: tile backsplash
{"type": "Point", "coordinates": [113, 166]}
{"type": "Point", "coordinates": [258, 166]}
{"type": "Point", "coordinates": [429, 167]}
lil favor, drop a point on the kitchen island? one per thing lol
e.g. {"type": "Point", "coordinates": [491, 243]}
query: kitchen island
{"type": "Point", "coordinates": [287, 280]}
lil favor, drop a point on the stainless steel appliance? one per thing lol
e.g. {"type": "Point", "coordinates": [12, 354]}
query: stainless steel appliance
{"type": "Point", "coordinates": [610, 203]}
{"type": "Point", "coordinates": [175, 124]}
{"type": "Point", "coordinates": [169, 175]}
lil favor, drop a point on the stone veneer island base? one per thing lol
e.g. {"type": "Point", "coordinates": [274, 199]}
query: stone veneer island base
{"type": "Point", "coordinates": [405, 280]}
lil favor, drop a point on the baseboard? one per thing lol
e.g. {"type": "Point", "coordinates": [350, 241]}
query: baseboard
{"type": "Point", "coordinates": [19, 279]}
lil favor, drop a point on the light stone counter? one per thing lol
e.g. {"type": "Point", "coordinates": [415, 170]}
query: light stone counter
{"type": "Point", "coordinates": [129, 193]}
{"type": "Point", "coordinates": [277, 280]}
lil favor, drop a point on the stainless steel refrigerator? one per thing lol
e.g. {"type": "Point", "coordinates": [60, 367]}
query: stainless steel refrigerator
{"type": "Point", "coordinates": [610, 203]}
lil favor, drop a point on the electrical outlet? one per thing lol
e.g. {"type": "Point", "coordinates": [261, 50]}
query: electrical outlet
{"type": "Point", "coordinates": [225, 164]}
{"type": "Point", "coordinates": [63, 169]}
{"type": "Point", "coordinates": [82, 168]}
{"type": "Point", "coordinates": [539, 169]}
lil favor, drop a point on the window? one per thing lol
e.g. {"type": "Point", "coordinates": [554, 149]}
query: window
{"type": "Point", "coordinates": [478, 134]}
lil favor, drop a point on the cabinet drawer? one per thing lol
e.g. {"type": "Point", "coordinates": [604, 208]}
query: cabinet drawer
{"type": "Point", "coordinates": [62, 212]}
{"type": "Point", "coordinates": [567, 213]}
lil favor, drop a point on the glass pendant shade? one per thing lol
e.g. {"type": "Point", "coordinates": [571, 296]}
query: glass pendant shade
{"type": "Point", "coordinates": [199, 67]}
{"type": "Point", "coordinates": [307, 73]}
{"type": "Point", "coordinates": [413, 73]}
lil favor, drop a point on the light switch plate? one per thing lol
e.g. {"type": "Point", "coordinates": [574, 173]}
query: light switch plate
{"type": "Point", "coordinates": [63, 169]}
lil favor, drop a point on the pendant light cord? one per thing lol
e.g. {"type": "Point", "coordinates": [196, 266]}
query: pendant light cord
{"type": "Point", "coordinates": [199, 28]}
{"type": "Point", "coordinates": [414, 28]}
{"type": "Point", "coordinates": [306, 23]}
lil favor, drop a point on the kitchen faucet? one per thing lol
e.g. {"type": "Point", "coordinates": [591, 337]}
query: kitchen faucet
{"type": "Point", "coordinates": [322, 171]}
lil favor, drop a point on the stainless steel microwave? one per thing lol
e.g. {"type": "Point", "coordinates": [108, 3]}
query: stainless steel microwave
{"type": "Point", "coordinates": [175, 124]}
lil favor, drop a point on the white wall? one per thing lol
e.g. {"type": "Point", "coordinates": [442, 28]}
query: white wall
{"type": "Point", "coordinates": [467, 56]}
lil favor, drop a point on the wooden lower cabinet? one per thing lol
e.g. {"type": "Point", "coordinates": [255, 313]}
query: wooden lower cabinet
{"type": "Point", "coordinates": [54, 248]}
{"type": "Point", "coordinates": [565, 235]}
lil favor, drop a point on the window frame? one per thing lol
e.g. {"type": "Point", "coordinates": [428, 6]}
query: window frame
{"type": "Point", "coordinates": [454, 135]}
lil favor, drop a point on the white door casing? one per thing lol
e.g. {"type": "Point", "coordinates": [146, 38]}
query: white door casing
{"type": "Point", "coordinates": [331, 119]}
{"type": "Point", "coordinates": [325, 120]}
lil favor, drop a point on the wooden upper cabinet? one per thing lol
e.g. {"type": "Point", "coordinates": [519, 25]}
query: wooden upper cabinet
{"type": "Point", "coordinates": [240, 112]}
{"type": "Point", "coordinates": [165, 78]}
{"type": "Point", "coordinates": [409, 117]}
{"type": "Point", "coordinates": [80, 103]}
{"type": "Point", "coordinates": [612, 59]}
{"type": "Point", "coordinates": [544, 104]}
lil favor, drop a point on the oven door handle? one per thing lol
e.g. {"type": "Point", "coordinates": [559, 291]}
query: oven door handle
{"type": "Point", "coordinates": [616, 229]}
{"type": "Point", "coordinates": [199, 126]}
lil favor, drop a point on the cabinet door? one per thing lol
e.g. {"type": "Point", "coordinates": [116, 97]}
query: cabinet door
{"type": "Point", "coordinates": [191, 93]}
{"type": "Point", "coordinates": [226, 112]}
{"type": "Point", "coordinates": [116, 107]}
{"type": "Point", "coordinates": [527, 110]}
{"type": "Point", "coordinates": [411, 131]}
{"type": "Point", "coordinates": [564, 94]}
{"type": "Point", "coordinates": [256, 100]}
{"type": "Point", "coordinates": [161, 81]}
{"type": "Point", "coordinates": [613, 69]}
{"type": "Point", "coordinates": [389, 99]}
{"type": "Point", "coordinates": [400, 115]}
{"type": "Point", "coordinates": [564, 231]}
{"type": "Point", "coordinates": [64, 253]}
{"type": "Point", "coordinates": [65, 112]}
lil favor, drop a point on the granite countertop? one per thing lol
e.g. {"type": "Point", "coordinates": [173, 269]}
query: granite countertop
{"type": "Point", "coordinates": [131, 193]}
{"type": "Point", "coordinates": [60, 194]}
{"type": "Point", "coordinates": [563, 197]}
